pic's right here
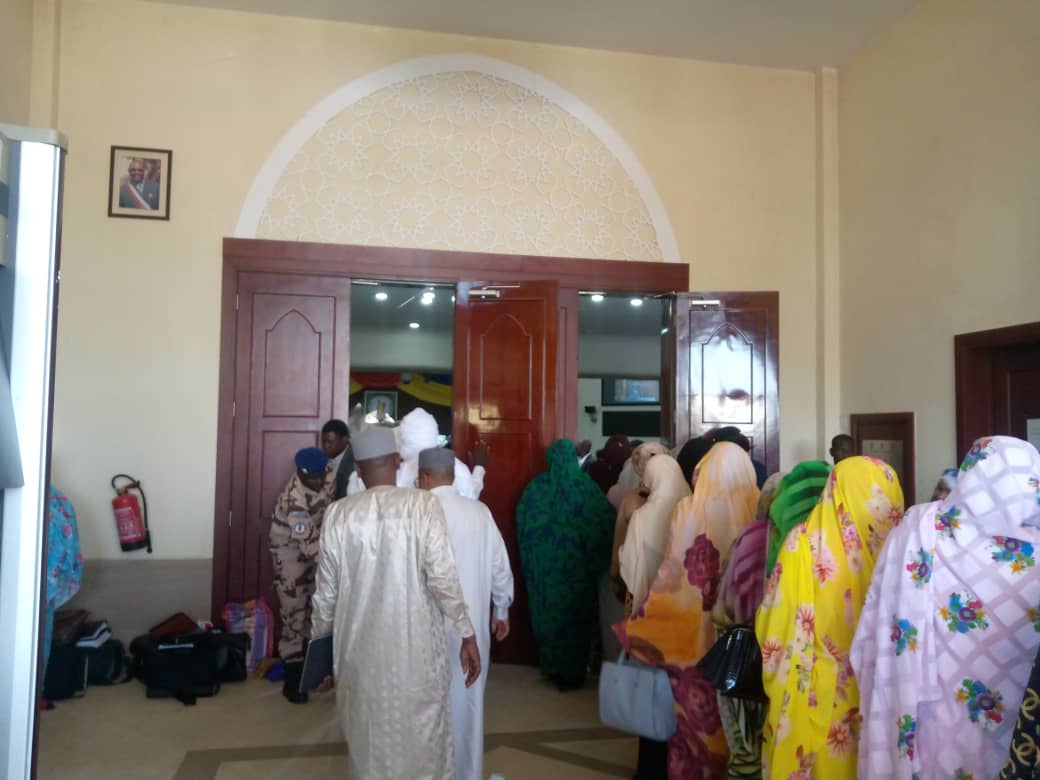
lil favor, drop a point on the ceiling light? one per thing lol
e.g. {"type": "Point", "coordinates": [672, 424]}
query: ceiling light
{"type": "Point", "coordinates": [427, 297]}
{"type": "Point", "coordinates": [413, 325]}
{"type": "Point", "coordinates": [663, 331]}
{"type": "Point", "coordinates": [636, 301]}
{"type": "Point", "coordinates": [453, 299]}
{"type": "Point", "coordinates": [381, 296]}
{"type": "Point", "coordinates": [597, 298]}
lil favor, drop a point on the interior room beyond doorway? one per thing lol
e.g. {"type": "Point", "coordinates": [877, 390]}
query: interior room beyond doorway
{"type": "Point", "coordinates": [402, 351]}
{"type": "Point", "coordinates": [619, 366]}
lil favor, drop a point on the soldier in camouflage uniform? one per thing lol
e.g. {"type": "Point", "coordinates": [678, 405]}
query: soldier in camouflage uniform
{"type": "Point", "coordinates": [294, 539]}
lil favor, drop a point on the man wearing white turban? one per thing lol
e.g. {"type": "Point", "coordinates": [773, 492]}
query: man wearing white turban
{"type": "Point", "coordinates": [418, 432]}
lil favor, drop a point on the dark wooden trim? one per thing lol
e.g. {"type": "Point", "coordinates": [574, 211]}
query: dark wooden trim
{"type": "Point", "coordinates": [973, 363]}
{"type": "Point", "coordinates": [225, 436]}
{"type": "Point", "coordinates": [906, 419]}
{"type": "Point", "coordinates": [433, 265]}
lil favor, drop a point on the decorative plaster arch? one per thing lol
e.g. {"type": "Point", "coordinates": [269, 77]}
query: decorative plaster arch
{"type": "Point", "coordinates": [263, 185]}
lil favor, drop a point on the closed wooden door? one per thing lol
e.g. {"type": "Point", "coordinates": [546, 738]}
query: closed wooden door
{"type": "Point", "coordinates": [506, 394]}
{"type": "Point", "coordinates": [998, 383]}
{"type": "Point", "coordinates": [725, 369]}
{"type": "Point", "coordinates": [292, 354]}
{"type": "Point", "coordinates": [1016, 389]}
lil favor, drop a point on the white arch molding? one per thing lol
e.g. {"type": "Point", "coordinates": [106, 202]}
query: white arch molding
{"type": "Point", "coordinates": [264, 184]}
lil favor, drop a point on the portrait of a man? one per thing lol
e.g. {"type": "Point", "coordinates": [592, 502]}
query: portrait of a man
{"type": "Point", "coordinates": [139, 189]}
{"type": "Point", "coordinates": [139, 182]}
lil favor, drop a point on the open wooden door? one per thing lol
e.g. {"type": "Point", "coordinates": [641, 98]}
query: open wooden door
{"type": "Point", "coordinates": [291, 374]}
{"type": "Point", "coordinates": [726, 369]}
{"type": "Point", "coordinates": [506, 394]}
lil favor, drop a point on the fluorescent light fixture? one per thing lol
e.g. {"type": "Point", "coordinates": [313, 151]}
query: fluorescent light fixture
{"type": "Point", "coordinates": [413, 325]}
{"type": "Point", "coordinates": [382, 296]}
{"type": "Point", "coordinates": [636, 302]}
{"type": "Point", "coordinates": [427, 297]}
{"type": "Point", "coordinates": [597, 298]}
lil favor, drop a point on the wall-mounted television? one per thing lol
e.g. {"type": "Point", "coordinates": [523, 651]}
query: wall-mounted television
{"type": "Point", "coordinates": [629, 391]}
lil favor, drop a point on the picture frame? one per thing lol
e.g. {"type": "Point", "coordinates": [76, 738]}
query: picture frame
{"type": "Point", "coordinates": [139, 182]}
{"type": "Point", "coordinates": [373, 399]}
{"type": "Point", "coordinates": [631, 391]}
{"type": "Point", "coordinates": [889, 437]}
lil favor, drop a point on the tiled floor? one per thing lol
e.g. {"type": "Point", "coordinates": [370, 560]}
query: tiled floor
{"type": "Point", "coordinates": [249, 731]}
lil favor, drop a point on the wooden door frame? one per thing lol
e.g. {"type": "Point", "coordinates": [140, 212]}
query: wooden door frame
{"type": "Point", "coordinates": [248, 255]}
{"type": "Point", "coordinates": [973, 362]}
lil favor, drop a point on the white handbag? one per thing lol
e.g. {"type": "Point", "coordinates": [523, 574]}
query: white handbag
{"type": "Point", "coordinates": [636, 699]}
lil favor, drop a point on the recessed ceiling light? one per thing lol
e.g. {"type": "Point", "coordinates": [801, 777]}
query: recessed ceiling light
{"type": "Point", "coordinates": [636, 301]}
{"type": "Point", "coordinates": [381, 296]}
{"type": "Point", "coordinates": [597, 298]}
{"type": "Point", "coordinates": [427, 297]}
{"type": "Point", "coordinates": [413, 325]}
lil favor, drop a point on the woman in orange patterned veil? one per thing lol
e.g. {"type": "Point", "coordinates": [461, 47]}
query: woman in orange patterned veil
{"type": "Point", "coordinates": [672, 629]}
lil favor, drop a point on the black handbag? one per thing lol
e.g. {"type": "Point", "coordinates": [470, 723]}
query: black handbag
{"type": "Point", "coordinates": [734, 665]}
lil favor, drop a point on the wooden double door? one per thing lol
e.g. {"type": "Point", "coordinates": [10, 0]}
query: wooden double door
{"type": "Point", "coordinates": [285, 369]}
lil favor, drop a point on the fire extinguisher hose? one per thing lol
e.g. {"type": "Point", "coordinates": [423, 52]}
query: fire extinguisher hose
{"type": "Point", "coordinates": [135, 484]}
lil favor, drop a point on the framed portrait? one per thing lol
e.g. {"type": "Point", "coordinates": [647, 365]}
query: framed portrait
{"type": "Point", "coordinates": [139, 182]}
{"type": "Point", "coordinates": [889, 437]}
{"type": "Point", "coordinates": [382, 404]}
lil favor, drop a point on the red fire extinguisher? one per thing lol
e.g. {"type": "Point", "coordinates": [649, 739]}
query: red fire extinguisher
{"type": "Point", "coordinates": [131, 523]}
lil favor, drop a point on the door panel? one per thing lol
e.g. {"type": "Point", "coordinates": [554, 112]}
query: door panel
{"type": "Point", "coordinates": [997, 382]}
{"type": "Point", "coordinates": [1016, 389]}
{"type": "Point", "coordinates": [726, 368]}
{"type": "Point", "coordinates": [506, 394]}
{"type": "Point", "coordinates": [291, 375]}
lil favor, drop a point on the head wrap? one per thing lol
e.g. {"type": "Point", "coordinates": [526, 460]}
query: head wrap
{"type": "Point", "coordinates": [419, 432]}
{"type": "Point", "coordinates": [949, 478]}
{"type": "Point", "coordinates": [795, 497]}
{"type": "Point", "coordinates": [312, 460]}
{"type": "Point", "coordinates": [690, 455]}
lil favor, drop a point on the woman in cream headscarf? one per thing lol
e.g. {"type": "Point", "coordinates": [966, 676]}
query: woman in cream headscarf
{"type": "Point", "coordinates": [646, 537]}
{"type": "Point", "coordinates": [634, 495]}
{"type": "Point", "coordinates": [808, 617]}
{"type": "Point", "coordinates": [672, 629]}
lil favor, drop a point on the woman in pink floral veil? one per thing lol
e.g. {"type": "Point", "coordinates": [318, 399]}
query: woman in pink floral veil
{"type": "Point", "coordinates": [672, 628]}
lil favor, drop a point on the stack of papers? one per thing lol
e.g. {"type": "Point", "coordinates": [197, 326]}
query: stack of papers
{"type": "Point", "coordinates": [94, 634]}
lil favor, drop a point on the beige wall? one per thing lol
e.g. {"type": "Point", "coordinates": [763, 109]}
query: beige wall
{"type": "Point", "coordinates": [731, 151]}
{"type": "Point", "coordinates": [940, 205]}
{"type": "Point", "coordinates": [15, 60]}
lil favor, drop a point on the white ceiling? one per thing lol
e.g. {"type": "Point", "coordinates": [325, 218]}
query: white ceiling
{"type": "Point", "coordinates": [801, 34]}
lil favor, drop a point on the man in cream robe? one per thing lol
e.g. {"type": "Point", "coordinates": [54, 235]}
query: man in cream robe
{"type": "Point", "coordinates": [386, 585]}
{"type": "Point", "coordinates": [417, 432]}
{"type": "Point", "coordinates": [483, 566]}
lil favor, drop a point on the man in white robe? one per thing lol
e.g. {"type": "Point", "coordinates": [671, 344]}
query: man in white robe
{"type": "Point", "coordinates": [483, 564]}
{"type": "Point", "coordinates": [386, 586]}
{"type": "Point", "coordinates": [418, 431]}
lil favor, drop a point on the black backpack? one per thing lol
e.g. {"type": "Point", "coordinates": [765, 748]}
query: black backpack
{"type": "Point", "coordinates": [189, 666]}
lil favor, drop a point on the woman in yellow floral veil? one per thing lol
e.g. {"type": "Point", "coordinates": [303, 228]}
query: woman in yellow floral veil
{"type": "Point", "coordinates": [672, 628]}
{"type": "Point", "coordinates": [808, 618]}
